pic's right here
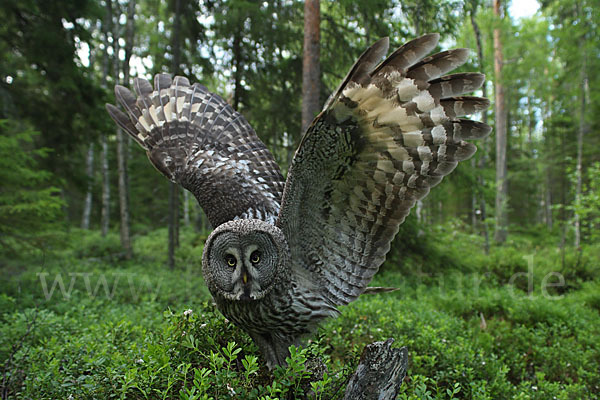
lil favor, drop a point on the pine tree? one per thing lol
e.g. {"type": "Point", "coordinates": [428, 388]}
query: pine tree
{"type": "Point", "coordinates": [311, 69]}
{"type": "Point", "coordinates": [30, 206]}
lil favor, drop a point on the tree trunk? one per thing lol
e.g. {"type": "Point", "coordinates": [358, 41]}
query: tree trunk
{"type": "Point", "coordinates": [563, 200]}
{"type": "Point", "coordinates": [418, 18]}
{"type": "Point", "coordinates": [237, 65]}
{"type": "Point", "coordinates": [484, 143]}
{"type": "Point", "coordinates": [501, 134]}
{"type": "Point", "coordinates": [178, 190]}
{"type": "Point", "coordinates": [173, 216]}
{"type": "Point", "coordinates": [311, 69]}
{"type": "Point", "coordinates": [548, 147]}
{"type": "Point", "coordinates": [121, 140]}
{"type": "Point", "coordinates": [580, 135]}
{"type": "Point", "coordinates": [548, 202]}
{"type": "Point", "coordinates": [87, 204]}
{"type": "Point", "coordinates": [105, 213]}
{"type": "Point", "coordinates": [113, 29]}
{"type": "Point", "coordinates": [419, 206]}
{"type": "Point", "coordinates": [474, 198]}
{"type": "Point", "coordinates": [186, 208]}
{"type": "Point", "coordinates": [173, 188]}
{"type": "Point", "coordinates": [380, 372]}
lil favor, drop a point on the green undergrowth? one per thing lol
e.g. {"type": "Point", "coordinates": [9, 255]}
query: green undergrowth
{"type": "Point", "coordinates": [522, 322]}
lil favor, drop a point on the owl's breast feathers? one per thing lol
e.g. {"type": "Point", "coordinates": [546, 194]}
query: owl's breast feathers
{"type": "Point", "coordinates": [291, 309]}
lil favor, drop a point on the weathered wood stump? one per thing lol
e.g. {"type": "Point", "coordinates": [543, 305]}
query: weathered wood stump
{"type": "Point", "coordinates": [380, 372]}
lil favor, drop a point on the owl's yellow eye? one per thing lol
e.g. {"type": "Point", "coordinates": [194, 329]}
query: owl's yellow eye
{"type": "Point", "coordinates": [231, 261]}
{"type": "Point", "coordinates": [255, 257]}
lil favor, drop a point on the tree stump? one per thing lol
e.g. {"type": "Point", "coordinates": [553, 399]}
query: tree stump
{"type": "Point", "coordinates": [380, 372]}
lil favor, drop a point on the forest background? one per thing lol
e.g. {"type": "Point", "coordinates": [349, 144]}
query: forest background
{"type": "Point", "coordinates": [100, 255]}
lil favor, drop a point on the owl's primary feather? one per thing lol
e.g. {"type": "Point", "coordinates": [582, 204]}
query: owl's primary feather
{"type": "Point", "coordinates": [196, 139]}
{"type": "Point", "coordinates": [389, 134]}
{"type": "Point", "coordinates": [275, 265]}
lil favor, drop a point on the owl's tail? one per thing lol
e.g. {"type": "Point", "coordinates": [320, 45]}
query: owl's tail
{"type": "Point", "coordinates": [379, 289]}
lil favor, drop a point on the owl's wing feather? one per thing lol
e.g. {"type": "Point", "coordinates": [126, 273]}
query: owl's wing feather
{"type": "Point", "coordinates": [196, 139]}
{"type": "Point", "coordinates": [387, 135]}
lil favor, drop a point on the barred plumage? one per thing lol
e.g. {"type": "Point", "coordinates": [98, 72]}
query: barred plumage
{"type": "Point", "coordinates": [196, 139]}
{"type": "Point", "coordinates": [275, 265]}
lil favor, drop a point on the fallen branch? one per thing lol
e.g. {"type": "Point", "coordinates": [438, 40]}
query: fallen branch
{"type": "Point", "coordinates": [380, 372]}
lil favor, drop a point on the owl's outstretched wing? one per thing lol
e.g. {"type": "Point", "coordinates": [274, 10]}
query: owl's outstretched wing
{"type": "Point", "coordinates": [196, 139]}
{"type": "Point", "coordinates": [386, 136]}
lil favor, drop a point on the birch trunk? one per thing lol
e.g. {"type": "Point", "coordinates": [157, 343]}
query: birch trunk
{"type": "Point", "coordinates": [122, 144]}
{"type": "Point", "coordinates": [501, 134]}
{"type": "Point", "coordinates": [173, 188]}
{"type": "Point", "coordinates": [87, 204]}
{"type": "Point", "coordinates": [579, 169]}
{"type": "Point", "coordinates": [237, 65]}
{"type": "Point", "coordinates": [186, 207]}
{"type": "Point", "coordinates": [105, 213]}
{"type": "Point", "coordinates": [548, 217]}
{"type": "Point", "coordinates": [484, 144]}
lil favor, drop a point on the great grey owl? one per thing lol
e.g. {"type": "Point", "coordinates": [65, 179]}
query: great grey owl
{"type": "Point", "coordinates": [285, 253]}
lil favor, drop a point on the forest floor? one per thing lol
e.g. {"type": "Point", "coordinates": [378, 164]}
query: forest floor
{"type": "Point", "coordinates": [521, 322]}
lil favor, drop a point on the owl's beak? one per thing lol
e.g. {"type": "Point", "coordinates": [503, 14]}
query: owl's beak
{"type": "Point", "coordinates": [245, 287]}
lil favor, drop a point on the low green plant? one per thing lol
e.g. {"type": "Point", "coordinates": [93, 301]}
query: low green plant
{"type": "Point", "coordinates": [137, 330]}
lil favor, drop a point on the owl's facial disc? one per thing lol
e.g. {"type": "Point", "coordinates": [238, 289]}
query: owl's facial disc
{"type": "Point", "coordinates": [241, 266]}
{"type": "Point", "coordinates": [245, 277]}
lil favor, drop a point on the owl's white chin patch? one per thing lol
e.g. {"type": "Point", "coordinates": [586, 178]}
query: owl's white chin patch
{"type": "Point", "coordinates": [240, 292]}
{"type": "Point", "coordinates": [245, 297]}
{"type": "Point", "coordinates": [241, 296]}
{"type": "Point", "coordinates": [233, 296]}
{"type": "Point", "coordinates": [246, 293]}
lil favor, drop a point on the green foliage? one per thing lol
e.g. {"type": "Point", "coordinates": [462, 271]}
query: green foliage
{"type": "Point", "coordinates": [41, 80]}
{"type": "Point", "coordinates": [155, 31]}
{"type": "Point", "coordinates": [261, 47]}
{"type": "Point", "coordinates": [251, 53]}
{"type": "Point", "coordinates": [78, 321]}
{"type": "Point", "coordinates": [29, 204]}
{"type": "Point", "coordinates": [589, 204]}
{"type": "Point", "coordinates": [133, 352]}
{"type": "Point", "coordinates": [105, 328]}
{"type": "Point", "coordinates": [87, 244]}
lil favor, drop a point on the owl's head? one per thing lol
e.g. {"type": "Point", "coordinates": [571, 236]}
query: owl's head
{"type": "Point", "coordinates": [244, 259]}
